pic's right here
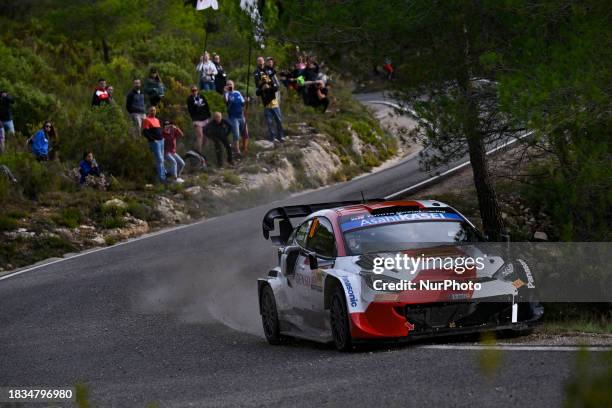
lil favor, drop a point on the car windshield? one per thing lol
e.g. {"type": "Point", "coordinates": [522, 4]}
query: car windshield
{"type": "Point", "coordinates": [407, 235]}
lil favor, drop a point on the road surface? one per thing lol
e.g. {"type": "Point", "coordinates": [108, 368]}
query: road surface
{"type": "Point", "coordinates": [173, 319]}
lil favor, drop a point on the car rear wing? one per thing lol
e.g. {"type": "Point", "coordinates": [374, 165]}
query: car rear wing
{"type": "Point", "coordinates": [284, 215]}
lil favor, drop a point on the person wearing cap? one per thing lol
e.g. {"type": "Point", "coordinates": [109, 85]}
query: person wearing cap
{"type": "Point", "coordinates": [171, 133]}
{"type": "Point", "coordinates": [267, 92]}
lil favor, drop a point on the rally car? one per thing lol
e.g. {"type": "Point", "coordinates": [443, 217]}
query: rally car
{"type": "Point", "coordinates": [336, 281]}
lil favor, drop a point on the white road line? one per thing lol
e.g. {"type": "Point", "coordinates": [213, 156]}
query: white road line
{"type": "Point", "coordinates": [454, 169]}
{"type": "Point", "coordinates": [514, 347]}
{"type": "Point", "coordinates": [91, 251]}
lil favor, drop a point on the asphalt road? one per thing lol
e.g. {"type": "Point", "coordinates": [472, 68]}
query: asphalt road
{"type": "Point", "coordinates": [173, 319]}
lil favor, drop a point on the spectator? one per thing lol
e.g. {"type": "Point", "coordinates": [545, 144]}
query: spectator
{"type": "Point", "coordinates": [207, 70]}
{"type": "Point", "coordinates": [135, 105]}
{"type": "Point", "coordinates": [171, 133]}
{"type": "Point", "coordinates": [6, 113]}
{"type": "Point", "coordinates": [40, 141]}
{"type": "Point", "coordinates": [221, 76]}
{"type": "Point", "coordinates": [198, 108]}
{"type": "Point", "coordinates": [151, 129]}
{"type": "Point", "coordinates": [89, 167]}
{"type": "Point", "coordinates": [388, 68]}
{"type": "Point", "coordinates": [317, 95]}
{"type": "Point", "coordinates": [260, 69]}
{"type": "Point", "coordinates": [218, 129]}
{"type": "Point", "coordinates": [267, 92]}
{"type": "Point", "coordinates": [101, 94]}
{"type": "Point", "coordinates": [1, 138]}
{"type": "Point", "coordinates": [154, 87]}
{"type": "Point", "coordinates": [235, 111]}
{"type": "Point", "coordinates": [271, 72]}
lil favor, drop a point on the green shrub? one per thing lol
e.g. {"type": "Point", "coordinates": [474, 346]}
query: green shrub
{"type": "Point", "coordinates": [35, 178]}
{"type": "Point", "coordinates": [106, 131]}
{"type": "Point", "coordinates": [110, 222]}
{"type": "Point", "coordinates": [141, 210]}
{"type": "Point", "coordinates": [231, 178]}
{"type": "Point", "coordinates": [8, 223]}
{"type": "Point", "coordinates": [69, 217]}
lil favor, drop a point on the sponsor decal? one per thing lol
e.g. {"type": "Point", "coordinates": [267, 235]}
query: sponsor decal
{"type": "Point", "coordinates": [518, 283]}
{"type": "Point", "coordinates": [530, 281]}
{"type": "Point", "coordinates": [349, 291]}
{"type": "Point", "coordinates": [370, 220]}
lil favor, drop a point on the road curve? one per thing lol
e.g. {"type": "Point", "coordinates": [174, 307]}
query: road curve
{"type": "Point", "coordinates": [173, 319]}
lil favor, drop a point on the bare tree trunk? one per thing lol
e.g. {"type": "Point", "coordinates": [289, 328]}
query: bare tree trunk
{"type": "Point", "coordinates": [106, 50]}
{"type": "Point", "coordinates": [490, 213]}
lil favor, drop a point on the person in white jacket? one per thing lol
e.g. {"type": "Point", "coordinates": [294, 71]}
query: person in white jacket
{"type": "Point", "coordinates": [207, 70]}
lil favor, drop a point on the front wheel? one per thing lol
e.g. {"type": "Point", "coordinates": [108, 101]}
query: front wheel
{"type": "Point", "coordinates": [269, 316]}
{"type": "Point", "coordinates": [339, 321]}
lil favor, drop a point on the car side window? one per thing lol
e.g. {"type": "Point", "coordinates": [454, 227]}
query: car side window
{"type": "Point", "coordinates": [302, 233]}
{"type": "Point", "coordinates": [321, 238]}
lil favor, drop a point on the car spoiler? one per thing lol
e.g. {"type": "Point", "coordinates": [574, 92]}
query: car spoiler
{"type": "Point", "coordinates": [284, 215]}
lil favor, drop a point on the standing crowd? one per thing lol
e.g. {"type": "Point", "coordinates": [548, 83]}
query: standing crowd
{"type": "Point", "coordinates": [143, 104]}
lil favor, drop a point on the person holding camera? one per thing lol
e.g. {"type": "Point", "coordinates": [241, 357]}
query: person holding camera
{"type": "Point", "coordinates": [89, 167]}
{"type": "Point", "coordinates": [267, 91]}
{"type": "Point", "coordinates": [207, 70]}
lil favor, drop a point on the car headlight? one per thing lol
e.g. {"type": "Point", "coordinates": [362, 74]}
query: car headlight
{"type": "Point", "coordinates": [507, 272]}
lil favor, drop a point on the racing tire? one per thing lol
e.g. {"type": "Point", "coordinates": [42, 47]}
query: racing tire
{"type": "Point", "coordinates": [269, 316]}
{"type": "Point", "coordinates": [339, 321]}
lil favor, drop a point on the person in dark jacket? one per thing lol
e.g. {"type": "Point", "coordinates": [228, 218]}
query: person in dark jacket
{"type": "Point", "coordinates": [152, 131]}
{"type": "Point", "coordinates": [89, 167]}
{"type": "Point", "coordinates": [221, 77]}
{"type": "Point", "coordinates": [267, 92]}
{"type": "Point", "coordinates": [218, 129]}
{"type": "Point", "coordinates": [6, 112]}
{"type": "Point", "coordinates": [135, 105]}
{"type": "Point", "coordinates": [271, 73]}
{"type": "Point", "coordinates": [154, 88]}
{"type": "Point", "coordinates": [260, 70]}
{"type": "Point", "coordinates": [101, 95]}
{"type": "Point", "coordinates": [198, 108]}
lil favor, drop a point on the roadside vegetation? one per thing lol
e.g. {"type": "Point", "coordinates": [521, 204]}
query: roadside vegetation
{"type": "Point", "coordinates": [479, 73]}
{"type": "Point", "coordinates": [51, 58]}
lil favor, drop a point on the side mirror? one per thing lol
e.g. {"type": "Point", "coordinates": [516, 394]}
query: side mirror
{"type": "Point", "coordinates": [312, 260]}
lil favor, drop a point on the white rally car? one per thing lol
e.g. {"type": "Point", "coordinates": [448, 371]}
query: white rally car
{"type": "Point", "coordinates": [332, 283]}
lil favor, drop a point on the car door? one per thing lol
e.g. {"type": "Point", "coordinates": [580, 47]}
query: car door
{"type": "Point", "coordinates": [297, 279]}
{"type": "Point", "coordinates": [322, 242]}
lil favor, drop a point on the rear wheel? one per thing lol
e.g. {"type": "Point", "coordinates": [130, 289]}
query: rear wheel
{"type": "Point", "coordinates": [269, 316]}
{"type": "Point", "coordinates": [339, 320]}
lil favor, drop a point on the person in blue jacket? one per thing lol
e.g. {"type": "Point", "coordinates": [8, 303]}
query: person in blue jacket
{"type": "Point", "coordinates": [40, 141]}
{"type": "Point", "coordinates": [89, 167]}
